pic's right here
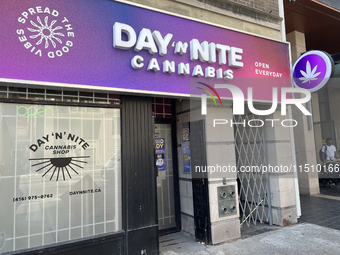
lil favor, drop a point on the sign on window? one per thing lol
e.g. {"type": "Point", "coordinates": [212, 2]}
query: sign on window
{"type": "Point", "coordinates": [60, 174]}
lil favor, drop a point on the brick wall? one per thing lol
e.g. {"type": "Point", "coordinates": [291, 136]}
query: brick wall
{"type": "Point", "coordinates": [255, 16]}
{"type": "Point", "coordinates": [268, 6]}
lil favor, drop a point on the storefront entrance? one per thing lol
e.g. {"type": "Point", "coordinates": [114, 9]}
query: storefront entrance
{"type": "Point", "coordinates": [166, 163]}
{"type": "Point", "coordinates": [165, 178]}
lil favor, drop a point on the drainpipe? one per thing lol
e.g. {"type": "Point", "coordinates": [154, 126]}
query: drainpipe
{"type": "Point", "coordinates": [282, 15]}
{"type": "Point", "coordinates": [291, 131]}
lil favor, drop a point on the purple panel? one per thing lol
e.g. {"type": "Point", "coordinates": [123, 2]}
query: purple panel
{"type": "Point", "coordinates": [92, 60]}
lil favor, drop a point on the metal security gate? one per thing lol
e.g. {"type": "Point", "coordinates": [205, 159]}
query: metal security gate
{"type": "Point", "coordinates": [251, 156]}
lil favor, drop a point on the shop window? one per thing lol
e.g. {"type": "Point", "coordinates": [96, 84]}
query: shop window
{"type": "Point", "coordinates": [60, 174]}
{"type": "Point", "coordinates": [161, 108]}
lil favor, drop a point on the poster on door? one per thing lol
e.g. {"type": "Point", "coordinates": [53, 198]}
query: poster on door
{"type": "Point", "coordinates": [160, 154]}
{"type": "Point", "coordinates": [185, 147]}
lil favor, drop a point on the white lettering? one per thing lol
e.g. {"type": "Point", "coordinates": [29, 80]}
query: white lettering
{"type": "Point", "coordinates": [222, 53]}
{"type": "Point", "coordinates": [146, 42]}
{"type": "Point", "coordinates": [212, 53]}
{"type": "Point", "coordinates": [183, 69]}
{"type": "Point", "coordinates": [209, 72]}
{"type": "Point", "coordinates": [137, 62]}
{"type": "Point", "coordinates": [181, 48]}
{"type": "Point", "coordinates": [235, 57]}
{"type": "Point", "coordinates": [297, 101]}
{"type": "Point", "coordinates": [118, 42]}
{"type": "Point", "coordinates": [262, 112]}
{"type": "Point", "coordinates": [199, 51]}
{"type": "Point", "coordinates": [168, 67]}
{"type": "Point", "coordinates": [197, 71]}
{"type": "Point", "coordinates": [220, 122]}
{"type": "Point", "coordinates": [162, 42]}
{"type": "Point", "coordinates": [153, 65]}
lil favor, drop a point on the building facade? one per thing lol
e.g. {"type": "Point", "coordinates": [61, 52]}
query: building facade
{"type": "Point", "coordinates": [311, 25]}
{"type": "Point", "coordinates": [104, 141]}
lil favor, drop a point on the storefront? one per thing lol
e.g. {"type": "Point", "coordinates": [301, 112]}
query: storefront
{"type": "Point", "coordinates": [97, 150]}
{"type": "Point", "coordinates": [312, 25]}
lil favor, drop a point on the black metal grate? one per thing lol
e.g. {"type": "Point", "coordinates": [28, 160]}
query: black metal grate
{"type": "Point", "coordinates": [250, 149]}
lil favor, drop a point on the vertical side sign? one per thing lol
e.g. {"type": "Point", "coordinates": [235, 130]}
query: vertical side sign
{"type": "Point", "coordinates": [185, 147]}
{"type": "Point", "coordinates": [160, 154]}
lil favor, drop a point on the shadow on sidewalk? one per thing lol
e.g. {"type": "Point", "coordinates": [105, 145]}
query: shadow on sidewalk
{"type": "Point", "coordinates": [323, 209]}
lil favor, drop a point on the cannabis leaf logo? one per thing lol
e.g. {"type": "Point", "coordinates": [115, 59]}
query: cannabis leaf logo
{"type": "Point", "coordinates": [310, 74]}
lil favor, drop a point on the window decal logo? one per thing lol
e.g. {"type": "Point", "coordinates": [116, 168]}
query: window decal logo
{"type": "Point", "coordinates": [60, 165]}
{"type": "Point", "coordinates": [45, 32]}
{"type": "Point", "coordinates": [60, 144]}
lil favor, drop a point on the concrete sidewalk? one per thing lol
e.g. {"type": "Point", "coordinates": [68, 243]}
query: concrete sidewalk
{"type": "Point", "coordinates": [299, 239]}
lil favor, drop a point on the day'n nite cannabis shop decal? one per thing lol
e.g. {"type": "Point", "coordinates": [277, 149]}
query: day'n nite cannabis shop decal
{"type": "Point", "coordinates": [60, 173]}
{"type": "Point", "coordinates": [59, 166]}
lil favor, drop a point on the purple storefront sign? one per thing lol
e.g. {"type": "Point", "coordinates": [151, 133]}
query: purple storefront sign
{"type": "Point", "coordinates": [313, 70]}
{"type": "Point", "coordinates": [68, 43]}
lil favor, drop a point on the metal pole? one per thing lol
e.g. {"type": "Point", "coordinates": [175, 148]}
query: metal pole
{"type": "Point", "coordinates": [269, 198]}
{"type": "Point", "coordinates": [296, 179]}
{"type": "Point", "coordinates": [281, 14]}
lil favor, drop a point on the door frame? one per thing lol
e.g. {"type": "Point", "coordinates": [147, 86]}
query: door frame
{"type": "Point", "coordinates": [173, 123]}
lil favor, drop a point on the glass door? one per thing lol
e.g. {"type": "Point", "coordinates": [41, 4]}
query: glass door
{"type": "Point", "coordinates": [165, 178]}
